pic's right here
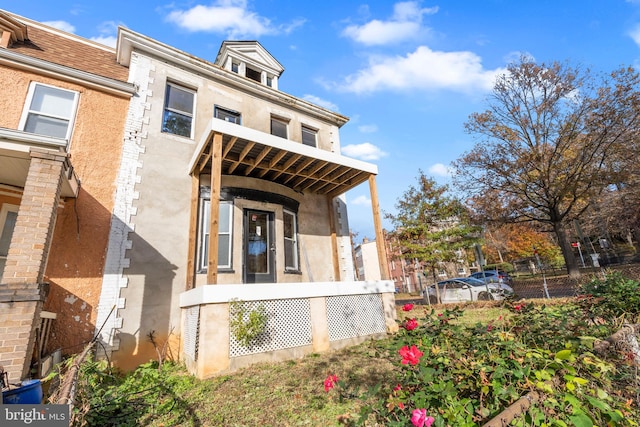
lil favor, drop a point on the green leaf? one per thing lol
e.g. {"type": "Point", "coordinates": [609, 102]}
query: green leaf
{"type": "Point", "coordinates": [581, 420]}
{"type": "Point", "coordinates": [563, 355]}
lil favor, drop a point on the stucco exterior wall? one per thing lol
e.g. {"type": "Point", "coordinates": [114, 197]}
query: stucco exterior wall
{"type": "Point", "coordinates": [76, 259]}
{"type": "Point", "coordinates": [154, 268]}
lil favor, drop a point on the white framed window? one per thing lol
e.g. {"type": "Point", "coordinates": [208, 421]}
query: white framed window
{"type": "Point", "coordinates": [225, 229]}
{"type": "Point", "coordinates": [49, 111]}
{"type": "Point", "coordinates": [8, 216]}
{"type": "Point", "coordinates": [178, 110]}
{"type": "Point", "coordinates": [226, 115]}
{"type": "Point", "coordinates": [309, 136]}
{"type": "Point", "coordinates": [279, 127]}
{"type": "Point", "coordinates": [291, 262]}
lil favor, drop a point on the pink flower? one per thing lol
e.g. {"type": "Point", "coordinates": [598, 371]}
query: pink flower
{"type": "Point", "coordinates": [330, 382]}
{"type": "Point", "coordinates": [398, 387]}
{"type": "Point", "coordinates": [489, 327]}
{"type": "Point", "coordinates": [410, 355]}
{"type": "Point", "coordinates": [407, 307]}
{"type": "Point", "coordinates": [419, 418]}
{"type": "Point", "coordinates": [411, 324]}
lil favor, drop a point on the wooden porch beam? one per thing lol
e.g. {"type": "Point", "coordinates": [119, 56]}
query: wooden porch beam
{"type": "Point", "coordinates": [193, 228]}
{"type": "Point", "coordinates": [377, 224]}
{"type": "Point", "coordinates": [216, 171]}
{"type": "Point", "coordinates": [334, 240]}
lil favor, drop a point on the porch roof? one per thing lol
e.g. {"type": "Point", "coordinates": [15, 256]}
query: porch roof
{"type": "Point", "coordinates": [15, 148]}
{"type": "Point", "coordinates": [248, 152]}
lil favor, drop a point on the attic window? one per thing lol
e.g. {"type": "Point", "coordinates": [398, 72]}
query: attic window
{"type": "Point", "coordinates": [254, 75]}
{"type": "Point", "coordinates": [235, 67]}
{"type": "Point", "coordinates": [269, 81]}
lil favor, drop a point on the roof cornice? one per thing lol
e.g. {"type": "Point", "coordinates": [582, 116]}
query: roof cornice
{"type": "Point", "coordinates": [128, 41]}
{"type": "Point", "coordinates": [40, 66]}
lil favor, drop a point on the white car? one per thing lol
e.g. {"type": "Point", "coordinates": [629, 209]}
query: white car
{"type": "Point", "coordinates": [461, 289]}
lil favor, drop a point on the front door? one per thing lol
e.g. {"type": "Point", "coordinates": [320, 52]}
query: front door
{"type": "Point", "coordinates": [259, 247]}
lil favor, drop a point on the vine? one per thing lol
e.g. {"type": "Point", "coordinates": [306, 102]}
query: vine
{"type": "Point", "coordinates": [247, 324]}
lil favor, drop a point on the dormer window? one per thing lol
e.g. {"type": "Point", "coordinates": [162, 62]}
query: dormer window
{"type": "Point", "coordinates": [269, 81]}
{"type": "Point", "coordinates": [235, 67]}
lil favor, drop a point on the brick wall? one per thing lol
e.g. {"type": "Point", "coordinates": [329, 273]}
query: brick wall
{"type": "Point", "coordinates": [21, 289]}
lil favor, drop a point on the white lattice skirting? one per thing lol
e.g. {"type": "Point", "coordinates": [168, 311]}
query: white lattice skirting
{"type": "Point", "coordinates": [300, 318]}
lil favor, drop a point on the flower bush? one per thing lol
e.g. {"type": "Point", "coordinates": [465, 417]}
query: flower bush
{"type": "Point", "coordinates": [452, 374]}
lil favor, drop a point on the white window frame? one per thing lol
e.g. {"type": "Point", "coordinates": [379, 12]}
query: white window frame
{"type": "Point", "coordinates": [28, 110]}
{"type": "Point", "coordinates": [295, 265]}
{"type": "Point", "coordinates": [281, 121]}
{"type": "Point", "coordinates": [165, 108]}
{"type": "Point", "coordinates": [203, 240]}
{"type": "Point", "coordinates": [310, 131]}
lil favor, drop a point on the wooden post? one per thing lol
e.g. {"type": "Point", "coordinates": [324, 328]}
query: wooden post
{"type": "Point", "coordinates": [377, 224]}
{"type": "Point", "coordinates": [193, 229]}
{"type": "Point", "coordinates": [334, 240]}
{"type": "Point", "coordinates": [216, 171]}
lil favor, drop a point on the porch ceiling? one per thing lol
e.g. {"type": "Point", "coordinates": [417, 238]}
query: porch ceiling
{"type": "Point", "coordinates": [15, 147]}
{"type": "Point", "coordinates": [251, 153]}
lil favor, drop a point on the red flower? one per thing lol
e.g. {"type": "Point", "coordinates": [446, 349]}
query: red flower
{"type": "Point", "coordinates": [330, 382]}
{"type": "Point", "coordinates": [517, 307]}
{"type": "Point", "coordinates": [489, 327]}
{"type": "Point", "coordinates": [398, 387]}
{"type": "Point", "coordinates": [407, 307]}
{"type": "Point", "coordinates": [410, 355]}
{"type": "Point", "coordinates": [401, 405]}
{"type": "Point", "coordinates": [411, 324]}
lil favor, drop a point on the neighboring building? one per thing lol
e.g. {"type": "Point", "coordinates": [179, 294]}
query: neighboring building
{"type": "Point", "coordinates": [64, 102]}
{"type": "Point", "coordinates": [367, 263]}
{"type": "Point", "coordinates": [201, 149]}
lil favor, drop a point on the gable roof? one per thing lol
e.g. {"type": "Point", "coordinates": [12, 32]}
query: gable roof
{"type": "Point", "coordinates": [57, 47]}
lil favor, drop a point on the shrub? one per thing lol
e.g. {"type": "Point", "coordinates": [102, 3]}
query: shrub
{"type": "Point", "coordinates": [613, 297]}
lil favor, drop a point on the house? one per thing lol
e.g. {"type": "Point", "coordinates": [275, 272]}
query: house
{"type": "Point", "coordinates": [64, 101]}
{"type": "Point", "coordinates": [226, 194]}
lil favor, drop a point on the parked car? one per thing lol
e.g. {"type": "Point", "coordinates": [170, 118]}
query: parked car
{"type": "Point", "coordinates": [493, 276]}
{"type": "Point", "coordinates": [462, 289]}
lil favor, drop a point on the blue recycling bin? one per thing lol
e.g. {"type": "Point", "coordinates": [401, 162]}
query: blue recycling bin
{"type": "Point", "coordinates": [29, 392]}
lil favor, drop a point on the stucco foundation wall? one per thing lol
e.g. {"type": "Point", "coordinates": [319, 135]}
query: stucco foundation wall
{"type": "Point", "coordinates": [76, 259]}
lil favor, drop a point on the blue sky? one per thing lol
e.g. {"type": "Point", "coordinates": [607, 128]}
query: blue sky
{"type": "Point", "coordinates": [407, 74]}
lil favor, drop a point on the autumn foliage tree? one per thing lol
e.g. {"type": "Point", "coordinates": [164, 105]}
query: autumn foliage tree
{"type": "Point", "coordinates": [545, 145]}
{"type": "Point", "coordinates": [431, 226]}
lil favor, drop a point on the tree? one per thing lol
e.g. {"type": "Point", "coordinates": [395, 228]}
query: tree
{"type": "Point", "coordinates": [430, 226]}
{"type": "Point", "coordinates": [546, 144]}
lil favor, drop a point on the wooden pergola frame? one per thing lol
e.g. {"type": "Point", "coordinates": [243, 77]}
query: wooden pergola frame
{"type": "Point", "coordinates": [229, 149]}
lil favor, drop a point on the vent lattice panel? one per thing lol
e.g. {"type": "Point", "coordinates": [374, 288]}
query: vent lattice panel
{"type": "Point", "coordinates": [288, 325]}
{"type": "Point", "coordinates": [351, 316]}
{"type": "Point", "coordinates": [191, 331]}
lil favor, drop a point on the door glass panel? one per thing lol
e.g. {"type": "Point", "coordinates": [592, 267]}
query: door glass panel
{"type": "Point", "coordinates": [257, 247]}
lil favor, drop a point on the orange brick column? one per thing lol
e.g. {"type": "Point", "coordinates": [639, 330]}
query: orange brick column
{"type": "Point", "coordinates": [21, 289]}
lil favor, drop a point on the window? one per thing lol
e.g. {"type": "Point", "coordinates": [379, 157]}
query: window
{"type": "Point", "coordinates": [226, 115]}
{"type": "Point", "coordinates": [309, 136]}
{"type": "Point", "coordinates": [8, 216]}
{"type": "Point", "coordinates": [279, 127]}
{"type": "Point", "coordinates": [235, 67]}
{"type": "Point", "coordinates": [178, 110]}
{"type": "Point", "coordinates": [224, 234]}
{"type": "Point", "coordinates": [269, 81]}
{"type": "Point", "coordinates": [49, 111]}
{"type": "Point", "coordinates": [254, 75]}
{"type": "Point", "coordinates": [290, 242]}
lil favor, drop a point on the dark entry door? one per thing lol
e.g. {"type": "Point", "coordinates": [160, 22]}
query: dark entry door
{"type": "Point", "coordinates": [259, 247]}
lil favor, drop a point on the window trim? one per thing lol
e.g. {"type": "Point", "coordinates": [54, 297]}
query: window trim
{"type": "Point", "coordinates": [165, 108]}
{"type": "Point", "coordinates": [295, 268]}
{"type": "Point", "coordinates": [27, 108]}
{"type": "Point", "coordinates": [4, 211]}
{"type": "Point", "coordinates": [204, 232]}
{"type": "Point", "coordinates": [281, 121]}
{"type": "Point", "coordinates": [229, 112]}
{"type": "Point", "coordinates": [312, 131]}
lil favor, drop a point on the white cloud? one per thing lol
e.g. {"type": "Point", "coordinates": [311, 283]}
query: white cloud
{"type": "Point", "coordinates": [440, 170]}
{"type": "Point", "coordinates": [364, 151]}
{"type": "Point", "coordinates": [321, 102]}
{"type": "Point", "coordinates": [368, 128]}
{"type": "Point", "coordinates": [106, 40]}
{"type": "Point", "coordinates": [61, 25]}
{"type": "Point", "coordinates": [405, 24]}
{"type": "Point", "coordinates": [229, 17]}
{"type": "Point", "coordinates": [634, 33]}
{"type": "Point", "coordinates": [422, 69]}
{"type": "Point", "coordinates": [362, 201]}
